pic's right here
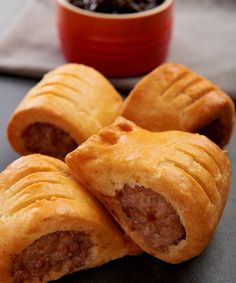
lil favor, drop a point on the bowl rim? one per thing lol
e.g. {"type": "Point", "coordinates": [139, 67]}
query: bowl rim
{"type": "Point", "coordinates": [66, 4]}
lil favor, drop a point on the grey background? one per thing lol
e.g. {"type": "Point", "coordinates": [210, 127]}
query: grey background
{"type": "Point", "coordinates": [8, 10]}
{"type": "Point", "coordinates": [215, 265]}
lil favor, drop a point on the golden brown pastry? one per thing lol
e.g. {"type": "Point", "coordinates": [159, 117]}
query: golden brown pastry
{"type": "Point", "coordinates": [172, 97]}
{"type": "Point", "coordinates": [50, 225]}
{"type": "Point", "coordinates": [167, 190]}
{"type": "Point", "coordinates": [69, 105]}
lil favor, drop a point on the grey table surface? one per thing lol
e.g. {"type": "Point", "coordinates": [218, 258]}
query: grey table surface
{"type": "Point", "coordinates": [215, 265]}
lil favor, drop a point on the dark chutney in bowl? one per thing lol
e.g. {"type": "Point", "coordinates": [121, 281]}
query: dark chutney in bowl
{"type": "Point", "coordinates": [116, 6]}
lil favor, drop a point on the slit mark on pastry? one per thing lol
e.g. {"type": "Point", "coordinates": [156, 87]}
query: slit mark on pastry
{"type": "Point", "coordinates": [58, 95]}
{"type": "Point", "coordinates": [72, 75]}
{"type": "Point", "coordinates": [195, 158]}
{"type": "Point", "coordinates": [199, 95]}
{"type": "Point", "coordinates": [195, 161]}
{"type": "Point", "coordinates": [203, 92]}
{"type": "Point", "coordinates": [47, 139]}
{"type": "Point", "coordinates": [208, 182]}
{"type": "Point", "coordinates": [206, 160]}
{"type": "Point", "coordinates": [180, 87]}
{"type": "Point", "coordinates": [45, 182]}
{"type": "Point", "coordinates": [59, 90]}
{"type": "Point", "coordinates": [53, 94]}
{"type": "Point", "coordinates": [58, 80]}
{"type": "Point", "coordinates": [52, 84]}
{"type": "Point", "coordinates": [66, 80]}
{"type": "Point", "coordinates": [22, 176]}
{"type": "Point", "coordinates": [195, 177]}
{"type": "Point", "coordinates": [152, 216]}
{"type": "Point", "coordinates": [207, 151]}
{"type": "Point", "coordinates": [19, 188]}
{"type": "Point", "coordinates": [194, 82]}
{"type": "Point", "coordinates": [178, 78]}
{"type": "Point", "coordinates": [196, 152]}
{"type": "Point", "coordinates": [32, 201]}
{"type": "Point", "coordinates": [196, 180]}
{"type": "Point", "coordinates": [50, 253]}
{"type": "Point", "coordinates": [194, 97]}
{"type": "Point", "coordinates": [44, 166]}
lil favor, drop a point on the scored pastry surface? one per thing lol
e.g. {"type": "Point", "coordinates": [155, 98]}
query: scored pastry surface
{"type": "Point", "coordinates": [167, 190]}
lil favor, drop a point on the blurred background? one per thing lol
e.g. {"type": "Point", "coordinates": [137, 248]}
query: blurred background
{"type": "Point", "coordinates": [204, 39]}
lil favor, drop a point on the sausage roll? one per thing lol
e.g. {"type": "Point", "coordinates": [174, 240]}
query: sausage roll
{"type": "Point", "coordinates": [172, 97]}
{"type": "Point", "coordinates": [167, 190]}
{"type": "Point", "coordinates": [70, 104]}
{"type": "Point", "coordinates": [50, 225]}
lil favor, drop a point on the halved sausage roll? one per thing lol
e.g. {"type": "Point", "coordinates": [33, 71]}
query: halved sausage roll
{"type": "Point", "coordinates": [50, 225]}
{"type": "Point", "coordinates": [70, 104]}
{"type": "Point", "coordinates": [167, 190]}
{"type": "Point", "coordinates": [173, 97]}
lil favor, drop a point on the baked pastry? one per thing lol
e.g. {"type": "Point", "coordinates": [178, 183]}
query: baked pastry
{"type": "Point", "coordinates": [50, 225]}
{"type": "Point", "coordinates": [173, 97]}
{"type": "Point", "coordinates": [167, 190]}
{"type": "Point", "coordinates": [70, 104]}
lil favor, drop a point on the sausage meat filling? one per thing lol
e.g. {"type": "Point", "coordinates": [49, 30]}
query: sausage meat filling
{"type": "Point", "coordinates": [152, 216]}
{"type": "Point", "coordinates": [215, 131]}
{"type": "Point", "coordinates": [51, 253]}
{"type": "Point", "coordinates": [48, 139]}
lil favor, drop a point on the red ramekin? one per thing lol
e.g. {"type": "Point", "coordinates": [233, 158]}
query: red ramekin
{"type": "Point", "coordinates": [121, 45]}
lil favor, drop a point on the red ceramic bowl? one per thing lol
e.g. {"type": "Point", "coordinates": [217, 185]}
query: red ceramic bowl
{"type": "Point", "coordinates": [121, 45]}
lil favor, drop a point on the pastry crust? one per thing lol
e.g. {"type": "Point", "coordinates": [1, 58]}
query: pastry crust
{"type": "Point", "coordinates": [181, 177]}
{"type": "Point", "coordinates": [41, 205]}
{"type": "Point", "coordinates": [173, 97]}
{"type": "Point", "coordinates": [70, 104]}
